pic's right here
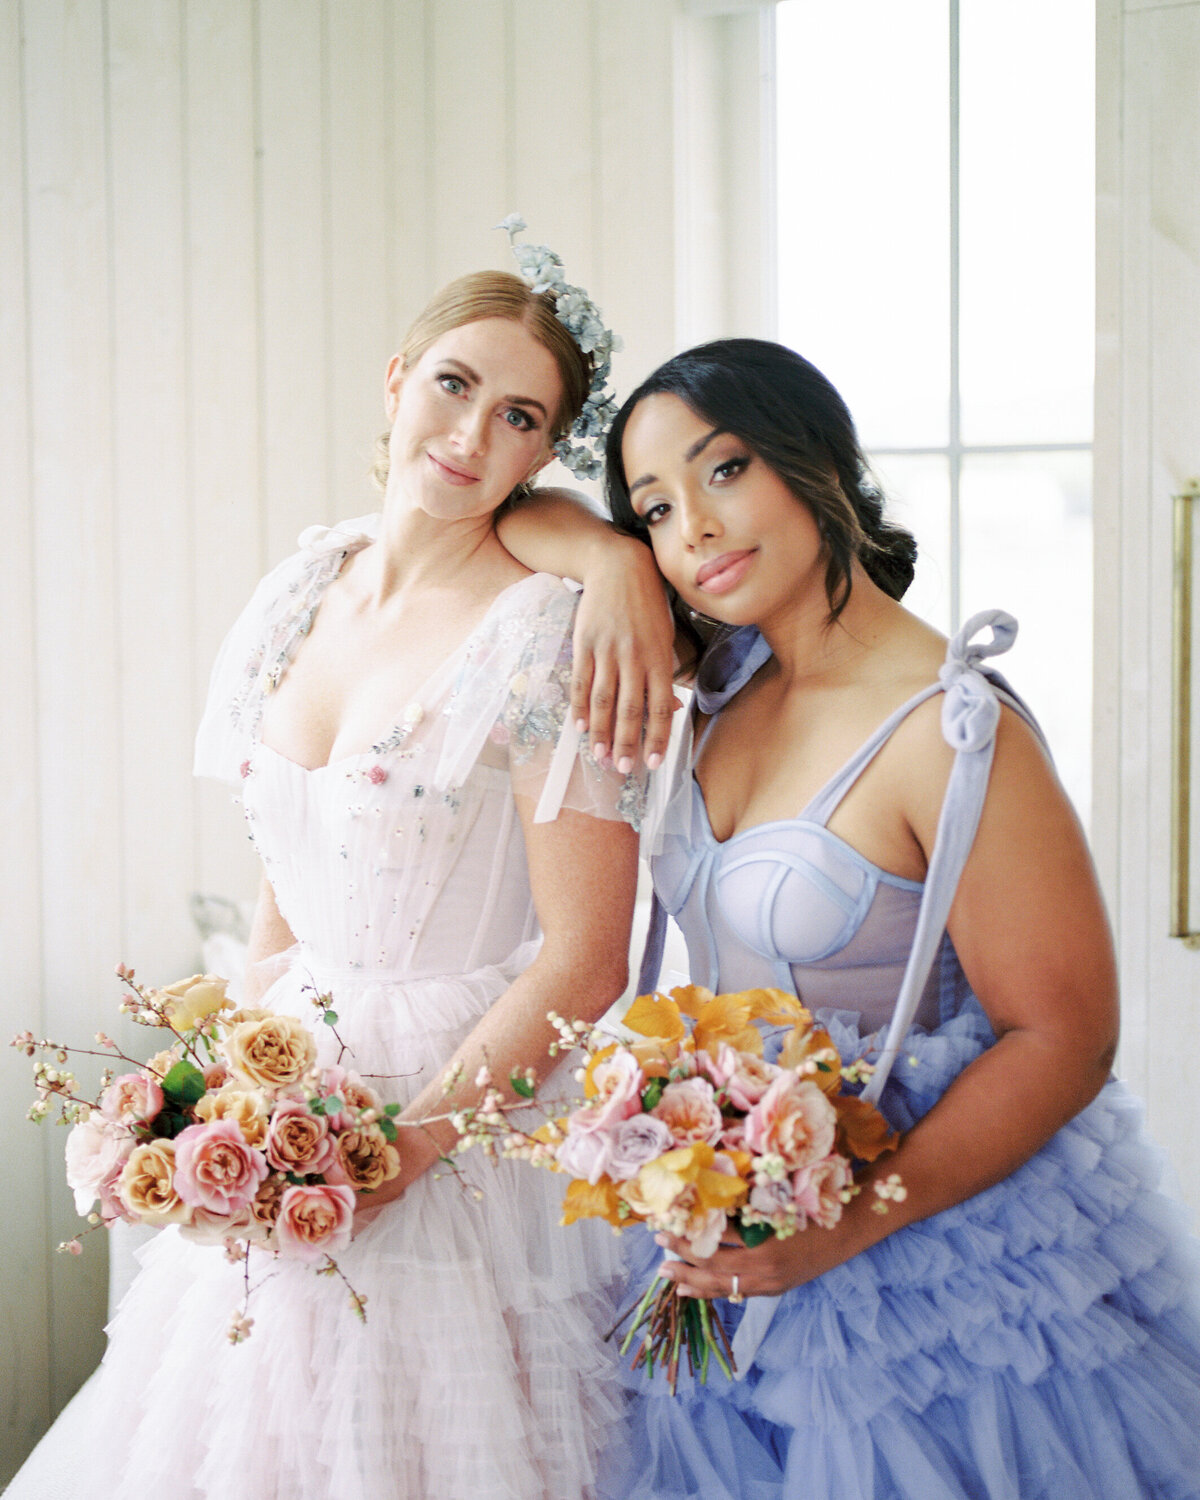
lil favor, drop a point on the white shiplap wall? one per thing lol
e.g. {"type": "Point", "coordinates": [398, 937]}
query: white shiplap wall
{"type": "Point", "coordinates": [216, 218]}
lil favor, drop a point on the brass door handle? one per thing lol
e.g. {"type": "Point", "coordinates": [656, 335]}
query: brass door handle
{"type": "Point", "coordinates": [1181, 718]}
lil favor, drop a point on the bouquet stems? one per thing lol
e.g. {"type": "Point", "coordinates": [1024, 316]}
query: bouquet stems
{"type": "Point", "coordinates": [672, 1326]}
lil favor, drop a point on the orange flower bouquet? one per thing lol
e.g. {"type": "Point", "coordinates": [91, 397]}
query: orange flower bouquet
{"type": "Point", "coordinates": [688, 1129]}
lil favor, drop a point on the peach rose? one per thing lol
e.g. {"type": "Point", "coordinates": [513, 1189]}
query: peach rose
{"type": "Point", "coordinates": [96, 1149]}
{"type": "Point", "coordinates": [818, 1190]}
{"type": "Point", "coordinates": [191, 1001]}
{"type": "Point", "coordinates": [793, 1120]}
{"type": "Point", "coordinates": [162, 1062]}
{"type": "Point", "coordinates": [271, 1053]}
{"type": "Point", "coordinates": [749, 1080]}
{"type": "Point", "coordinates": [131, 1099]}
{"type": "Point", "coordinates": [343, 1084]}
{"type": "Point", "coordinates": [366, 1159]}
{"type": "Point", "coordinates": [689, 1111]}
{"type": "Point", "coordinates": [249, 1109]}
{"type": "Point", "coordinates": [148, 1186]}
{"type": "Point", "coordinates": [297, 1140]}
{"type": "Point", "coordinates": [314, 1221]}
{"type": "Point", "coordinates": [208, 1228]}
{"type": "Point", "coordinates": [216, 1169]}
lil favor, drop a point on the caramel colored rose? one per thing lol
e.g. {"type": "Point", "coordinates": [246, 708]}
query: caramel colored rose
{"type": "Point", "coordinates": [367, 1158]}
{"type": "Point", "coordinates": [248, 1108]}
{"type": "Point", "coordinates": [271, 1053]}
{"type": "Point", "coordinates": [147, 1184]}
{"type": "Point", "coordinates": [265, 1207]}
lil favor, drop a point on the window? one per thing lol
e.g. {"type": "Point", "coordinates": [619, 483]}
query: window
{"type": "Point", "coordinates": [935, 254]}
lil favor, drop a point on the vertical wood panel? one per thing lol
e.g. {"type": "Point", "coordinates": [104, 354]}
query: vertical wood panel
{"type": "Point", "coordinates": [361, 340]}
{"type": "Point", "coordinates": [223, 380]}
{"type": "Point", "coordinates": [78, 683]}
{"type": "Point", "coordinates": [294, 282]}
{"type": "Point", "coordinates": [636, 231]}
{"type": "Point", "coordinates": [469, 145]}
{"type": "Point", "coordinates": [410, 273]}
{"type": "Point", "coordinates": [153, 524]}
{"type": "Point", "coordinates": [24, 1288]}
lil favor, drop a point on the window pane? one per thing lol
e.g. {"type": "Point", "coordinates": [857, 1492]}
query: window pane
{"type": "Point", "coordinates": [1026, 220]}
{"type": "Point", "coordinates": [1026, 547]}
{"type": "Point", "coordinates": [863, 207]}
{"type": "Point", "coordinates": [917, 490]}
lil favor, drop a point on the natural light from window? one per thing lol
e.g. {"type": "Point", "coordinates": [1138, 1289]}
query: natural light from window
{"type": "Point", "coordinates": [937, 264]}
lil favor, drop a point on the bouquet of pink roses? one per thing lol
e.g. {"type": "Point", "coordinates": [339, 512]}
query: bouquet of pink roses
{"type": "Point", "coordinates": [689, 1130]}
{"type": "Point", "coordinates": [231, 1132]}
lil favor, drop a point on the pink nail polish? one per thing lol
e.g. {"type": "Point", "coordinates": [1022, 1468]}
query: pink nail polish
{"type": "Point", "coordinates": [599, 750]}
{"type": "Point", "coordinates": [654, 761]}
{"type": "Point", "coordinates": [625, 765]}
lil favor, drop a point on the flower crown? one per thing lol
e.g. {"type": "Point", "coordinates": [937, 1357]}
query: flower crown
{"type": "Point", "coordinates": [581, 449]}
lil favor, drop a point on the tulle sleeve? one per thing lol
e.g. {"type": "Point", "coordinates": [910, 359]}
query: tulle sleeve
{"type": "Point", "coordinates": [266, 633]}
{"type": "Point", "coordinates": [514, 698]}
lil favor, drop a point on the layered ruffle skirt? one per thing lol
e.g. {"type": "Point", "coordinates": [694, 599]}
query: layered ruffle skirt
{"type": "Point", "coordinates": [480, 1373]}
{"type": "Point", "coordinates": [1040, 1341]}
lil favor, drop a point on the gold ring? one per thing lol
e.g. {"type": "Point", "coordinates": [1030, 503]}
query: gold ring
{"type": "Point", "coordinates": [735, 1295]}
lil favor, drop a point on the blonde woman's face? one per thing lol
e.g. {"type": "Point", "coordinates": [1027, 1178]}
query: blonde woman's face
{"type": "Point", "coordinates": [470, 420]}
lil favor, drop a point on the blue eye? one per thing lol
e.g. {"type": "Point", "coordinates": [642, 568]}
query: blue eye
{"type": "Point", "coordinates": [519, 419]}
{"type": "Point", "coordinates": [452, 384]}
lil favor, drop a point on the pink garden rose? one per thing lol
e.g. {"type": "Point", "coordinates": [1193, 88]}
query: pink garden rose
{"type": "Point", "coordinates": [299, 1141]}
{"type": "Point", "coordinates": [793, 1120]}
{"type": "Point", "coordinates": [96, 1151]}
{"type": "Point", "coordinates": [215, 1168]}
{"type": "Point", "coordinates": [131, 1099]}
{"type": "Point", "coordinates": [690, 1112]}
{"type": "Point", "coordinates": [619, 1082]}
{"type": "Point", "coordinates": [818, 1190]}
{"type": "Point", "coordinates": [774, 1200]}
{"type": "Point", "coordinates": [314, 1221]}
{"type": "Point", "coordinates": [346, 1085]}
{"type": "Point", "coordinates": [637, 1140]}
{"type": "Point", "coordinates": [749, 1080]}
{"type": "Point", "coordinates": [586, 1153]}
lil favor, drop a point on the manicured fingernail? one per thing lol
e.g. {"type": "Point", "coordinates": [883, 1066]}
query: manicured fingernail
{"type": "Point", "coordinates": [599, 750]}
{"type": "Point", "coordinates": [654, 761]}
{"type": "Point", "coordinates": [660, 1239]}
{"type": "Point", "coordinates": [625, 765]}
{"type": "Point", "coordinates": [581, 725]}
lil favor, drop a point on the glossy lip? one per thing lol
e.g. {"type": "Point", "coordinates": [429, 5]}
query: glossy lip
{"type": "Point", "coordinates": [725, 572]}
{"type": "Point", "coordinates": [450, 474]}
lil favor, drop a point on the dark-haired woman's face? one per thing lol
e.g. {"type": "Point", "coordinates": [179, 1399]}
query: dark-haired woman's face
{"type": "Point", "coordinates": [727, 532]}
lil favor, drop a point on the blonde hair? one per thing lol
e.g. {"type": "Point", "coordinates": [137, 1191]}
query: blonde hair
{"type": "Point", "coordinates": [498, 294]}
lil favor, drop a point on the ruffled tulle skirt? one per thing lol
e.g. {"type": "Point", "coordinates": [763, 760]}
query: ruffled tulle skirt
{"type": "Point", "coordinates": [1040, 1341]}
{"type": "Point", "coordinates": [479, 1374]}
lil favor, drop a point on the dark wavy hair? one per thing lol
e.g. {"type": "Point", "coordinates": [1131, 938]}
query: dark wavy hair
{"type": "Point", "coordinates": [788, 414]}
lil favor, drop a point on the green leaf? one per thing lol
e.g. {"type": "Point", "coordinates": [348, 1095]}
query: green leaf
{"type": "Point", "coordinates": [391, 1109]}
{"type": "Point", "coordinates": [333, 1105]}
{"type": "Point", "coordinates": [521, 1086]}
{"type": "Point", "coordinates": [184, 1084]}
{"type": "Point", "coordinates": [388, 1128]}
{"type": "Point", "coordinates": [652, 1093]}
{"type": "Point", "coordinates": [330, 1017]}
{"type": "Point", "coordinates": [754, 1234]}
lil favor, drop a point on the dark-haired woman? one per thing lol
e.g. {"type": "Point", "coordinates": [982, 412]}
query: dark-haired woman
{"type": "Point", "coordinates": [870, 818]}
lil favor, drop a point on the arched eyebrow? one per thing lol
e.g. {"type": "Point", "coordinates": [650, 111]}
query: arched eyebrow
{"type": "Point", "coordinates": [694, 451]}
{"type": "Point", "coordinates": [475, 379]}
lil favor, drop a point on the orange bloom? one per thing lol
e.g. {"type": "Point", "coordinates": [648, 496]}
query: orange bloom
{"type": "Point", "coordinates": [585, 1201]}
{"type": "Point", "coordinates": [802, 1046]}
{"type": "Point", "coordinates": [656, 1016]}
{"type": "Point", "coordinates": [862, 1131]}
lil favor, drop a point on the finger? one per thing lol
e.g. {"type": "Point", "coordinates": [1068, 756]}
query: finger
{"type": "Point", "coordinates": [630, 718]}
{"type": "Point", "coordinates": [661, 704]}
{"type": "Point", "coordinates": [581, 688]}
{"type": "Point", "coordinates": [601, 704]}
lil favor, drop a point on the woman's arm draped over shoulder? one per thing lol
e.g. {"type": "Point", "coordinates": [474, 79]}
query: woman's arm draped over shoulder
{"type": "Point", "coordinates": [1029, 927]}
{"type": "Point", "coordinates": [624, 633]}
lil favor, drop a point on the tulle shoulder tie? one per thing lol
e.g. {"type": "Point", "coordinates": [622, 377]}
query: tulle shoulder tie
{"type": "Point", "coordinates": [970, 707]}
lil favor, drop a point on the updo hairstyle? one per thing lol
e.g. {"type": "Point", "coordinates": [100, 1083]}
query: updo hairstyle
{"type": "Point", "coordinates": [497, 294]}
{"type": "Point", "coordinates": [790, 416]}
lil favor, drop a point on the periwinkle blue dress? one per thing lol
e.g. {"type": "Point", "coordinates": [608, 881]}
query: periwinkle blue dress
{"type": "Point", "coordinates": [1041, 1339]}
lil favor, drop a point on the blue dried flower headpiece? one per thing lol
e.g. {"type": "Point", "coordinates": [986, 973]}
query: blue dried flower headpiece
{"type": "Point", "coordinates": [582, 448]}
